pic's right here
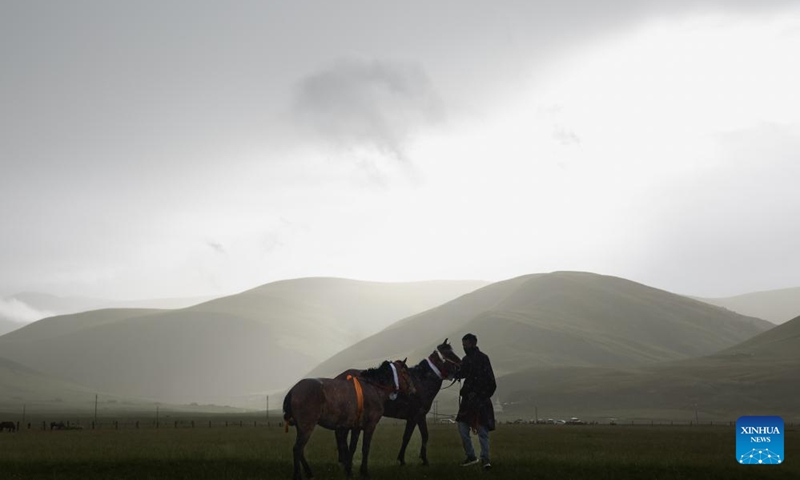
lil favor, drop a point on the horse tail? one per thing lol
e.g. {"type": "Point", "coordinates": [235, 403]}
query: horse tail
{"type": "Point", "coordinates": [287, 411]}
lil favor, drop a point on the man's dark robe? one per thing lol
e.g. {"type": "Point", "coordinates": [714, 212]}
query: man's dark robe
{"type": "Point", "coordinates": [479, 385]}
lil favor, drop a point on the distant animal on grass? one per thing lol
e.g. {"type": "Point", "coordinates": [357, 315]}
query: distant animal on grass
{"type": "Point", "coordinates": [349, 403]}
{"type": "Point", "coordinates": [10, 426]}
{"type": "Point", "coordinates": [427, 377]}
{"type": "Point", "coordinates": [57, 426]}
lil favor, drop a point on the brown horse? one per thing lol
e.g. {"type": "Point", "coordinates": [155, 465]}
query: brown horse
{"type": "Point", "coordinates": [427, 376]}
{"type": "Point", "coordinates": [336, 403]}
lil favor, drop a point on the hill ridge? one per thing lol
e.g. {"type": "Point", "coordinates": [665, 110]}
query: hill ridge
{"type": "Point", "coordinates": [578, 317]}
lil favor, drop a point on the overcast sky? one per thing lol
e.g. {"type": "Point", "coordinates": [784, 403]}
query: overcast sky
{"type": "Point", "coordinates": [162, 149]}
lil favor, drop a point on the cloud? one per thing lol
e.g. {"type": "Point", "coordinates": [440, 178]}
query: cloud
{"type": "Point", "coordinates": [565, 137]}
{"type": "Point", "coordinates": [358, 104]}
{"type": "Point", "coordinates": [17, 311]}
{"type": "Point", "coordinates": [217, 247]}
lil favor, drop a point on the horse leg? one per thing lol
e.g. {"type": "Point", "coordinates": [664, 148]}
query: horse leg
{"type": "Point", "coordinates": [368, 431]}
{"type": "Point", "coordinates": [410, 425]}
{"type": "Point", "coordinates": [345, 458]}
{"type": "Point", "coordinates": [354, 434]}
{"type": "Point", "coordinates": [298, 452]}
{"type": "Point", "coordinates": [341, 444]}
{"type": "Point", "coordinates": [423, 431]}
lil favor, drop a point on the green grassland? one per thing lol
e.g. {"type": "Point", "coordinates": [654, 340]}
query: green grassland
{"type": "Point", "coordinates": [518, 451]}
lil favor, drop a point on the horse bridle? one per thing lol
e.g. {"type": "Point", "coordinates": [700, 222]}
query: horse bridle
{"type": "Point", "coordinates": [433, 366]}
{"type": "Point", "coordinates": [395, 378]}
{"type": "Point", "coordinates": [440, 371]}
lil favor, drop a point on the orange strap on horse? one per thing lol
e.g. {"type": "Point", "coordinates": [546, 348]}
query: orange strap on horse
{"type": "Point", "coordinates": [359, 396]}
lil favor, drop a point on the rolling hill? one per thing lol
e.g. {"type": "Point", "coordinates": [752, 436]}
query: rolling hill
{"type": "Point", "coordinates": [53, 327]}
{"type": "Point", "coordinates": [756, 377]}
{"type": "Point", "coordinates": [45, 397]}
{"type": "Point", "coordinates": [561, 319]}
{"type": "Point", "coordinates": [27, 307]}
{"type": "Point", "coordinates": [7, 326]}
{"type": "Point", "coordinates": [24, 386]}
{"type": "Point", "coordinates": [777, 306]}
{"type": "Point", "coordinates": [259, 340]}
{"type": "Point", "coordinates": [54, 304]}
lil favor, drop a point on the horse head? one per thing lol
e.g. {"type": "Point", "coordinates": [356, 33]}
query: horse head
{"type": "Point", "coordinates": [405, 383]}
{"type": "Point", "coordinates": [452, 362]}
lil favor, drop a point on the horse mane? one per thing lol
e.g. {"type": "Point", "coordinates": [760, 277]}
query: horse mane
{"type": "Point", "coordinates": [381, 375]}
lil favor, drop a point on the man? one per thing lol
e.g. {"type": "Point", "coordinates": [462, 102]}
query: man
{"type": "Point", "coordinates": [475, 410]}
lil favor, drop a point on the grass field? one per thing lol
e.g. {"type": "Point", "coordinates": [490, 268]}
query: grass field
{"type": "Point", "coordinates": [518, 451]}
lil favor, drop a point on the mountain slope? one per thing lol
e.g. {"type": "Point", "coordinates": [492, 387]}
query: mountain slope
{"type": "Point", "coordinates": [777, 306]}
{"type": "Point", "coordinates": [21, 385]}
{"type": "Point", "coordinates": [57, 326]}
{"type": "Point", "coordinates": [562, 318]}
{"type": "Point", "coordinates": [781, 343]}
{"type": "Point", "coordinates": [7, 326]}
{"type": "Point", "coordinates": [756, 377]}
{"type": "Point", "coordinates": [27, 307]}
{"type": "Point", "coordinates": [262, 339]}
{"type": "Point", "coordinates": [55, 305]}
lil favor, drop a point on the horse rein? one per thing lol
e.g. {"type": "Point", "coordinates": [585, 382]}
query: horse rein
{"type": "Point", "coordinates": [453, 382]}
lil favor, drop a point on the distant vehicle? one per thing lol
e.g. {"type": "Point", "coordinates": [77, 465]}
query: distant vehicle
{"type": "Point", "coordinates": [561, 422]}
{"type": "Point", "coordinates": [613, 421]}
{"type": "Point", "coordinates": [576, 421]}
{"type": "Point", "coordinates": [550, 421]}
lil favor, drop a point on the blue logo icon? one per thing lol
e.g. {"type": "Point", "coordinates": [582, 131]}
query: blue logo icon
{"type": "Point", "coordinates": [759, 440]}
